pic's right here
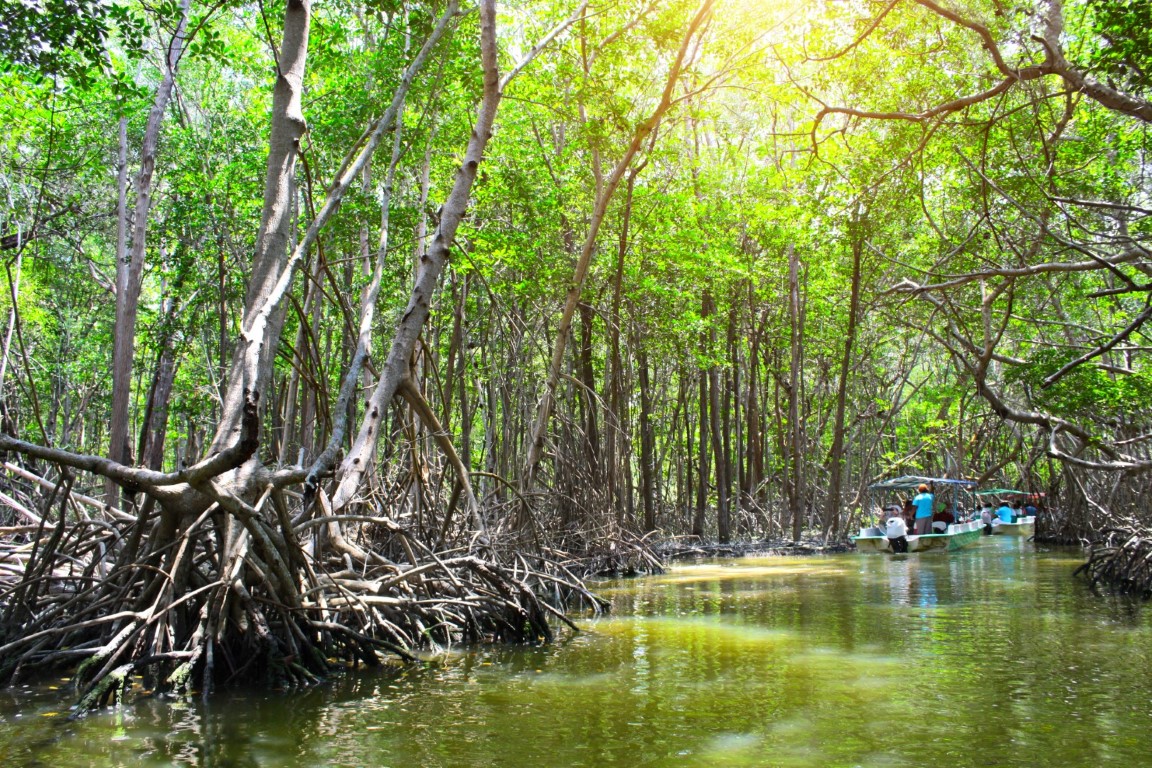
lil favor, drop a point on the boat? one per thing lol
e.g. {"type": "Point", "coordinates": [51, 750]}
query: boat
{"type": "Point", "coordinates": [1022, 526]}
{"type": "Point", "coordinates": [959, 497]}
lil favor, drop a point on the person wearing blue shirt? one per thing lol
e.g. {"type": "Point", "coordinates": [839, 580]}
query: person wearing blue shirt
{"type": "Point", "coordinates": [1004, 512]}
{"type": "Point", "coordinates": [923, 501]}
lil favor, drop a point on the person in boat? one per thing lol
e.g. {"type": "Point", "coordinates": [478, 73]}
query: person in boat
{"type": "Point", "coordinates": [986, 516]}
{"type": "Point", "coordinates": [1004, 512]}
{"type": "Point", "coordinates": [924, 501]}
{"type": "Point", "coordinates": [1030, 509]}
{"type": "Point", "coordinates": [909, 515]}
{"type": "Point", "coordinates": [1017, 511]}
{"type": "Point", "coordinates": [897, 532]}
{"type": "Point", "coordinates": [941, 520]}
{"type": "Point", "coordinates": [886, 511]}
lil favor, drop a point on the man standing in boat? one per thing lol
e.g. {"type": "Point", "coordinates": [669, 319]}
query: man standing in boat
{"type": "Point", "coordinates": [923, 501]}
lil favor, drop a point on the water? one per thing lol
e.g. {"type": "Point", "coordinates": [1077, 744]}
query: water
{"type": "Point", "coordinates": [991, 656]}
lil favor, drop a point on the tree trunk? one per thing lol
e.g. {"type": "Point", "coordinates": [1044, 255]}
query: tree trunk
{"type": "Point", "coordinates": [705, 442]}
{"type": "Point", "coordinates": [754, 454]}
{"type": "Point", "coordinates": [599, 209]}
{"type": "Point", "coordinates": [795, 449]}
{"type": "Point", "coordinates": [588, 392]}
{"type": "Point", "coordinates": [130, 265]}
{"type": "Point", "coordinates": [723, 513]}
{"type": "Point", "coordinates": [613, 420]}
{"type": "Point", "coordinates": [277, 225]}
{"type": "Point", "coordinates": [155, 426]}
{"type": "Point", "coordinates": [647, 440]}
{"type": "Point", "coordinates": [836, 457]}
{"type": "Point", "coordinates": [395, 366]}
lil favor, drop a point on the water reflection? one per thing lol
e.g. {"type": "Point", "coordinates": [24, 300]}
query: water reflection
{"type": "Point", "coordinates": [991, 656]}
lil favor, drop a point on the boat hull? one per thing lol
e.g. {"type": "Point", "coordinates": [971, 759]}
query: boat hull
{"type": "Point", "coordinates": [958, 536]}
{"type": "Point", "coordinates": [1025, 526]}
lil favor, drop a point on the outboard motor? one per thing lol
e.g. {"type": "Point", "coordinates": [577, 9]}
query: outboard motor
{"type": "Point", "coordinates": [897, 532]}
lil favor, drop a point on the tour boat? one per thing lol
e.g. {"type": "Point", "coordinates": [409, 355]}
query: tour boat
{"type": "Point", "coordinates": [958, 535]}
{"type": "Point", "coordinates": [958, 497]}
{"type": "Point", "coordinates": [1024, 526]}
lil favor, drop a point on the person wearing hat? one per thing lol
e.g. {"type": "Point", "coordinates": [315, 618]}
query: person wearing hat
{"type": "Point", "coordinates": [923, 501]}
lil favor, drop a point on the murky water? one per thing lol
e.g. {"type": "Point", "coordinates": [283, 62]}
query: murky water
{"type": "Point", "coordinates": [991, 656]}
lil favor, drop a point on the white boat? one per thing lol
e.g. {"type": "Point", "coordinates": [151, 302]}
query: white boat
{"type": "Point", "coordinates": [1024, 526]}
{"type": "Point", "coordinates": [958, 535]}
{"type": "Point", "coordinates": [957, 496]}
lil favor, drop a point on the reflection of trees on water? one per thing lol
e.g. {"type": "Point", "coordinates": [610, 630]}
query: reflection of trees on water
{"type": "Point", "coordinates": [811, 662]}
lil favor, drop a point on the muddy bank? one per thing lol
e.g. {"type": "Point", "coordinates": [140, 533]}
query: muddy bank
{"type": "Point", "coordinates": [670, 551]}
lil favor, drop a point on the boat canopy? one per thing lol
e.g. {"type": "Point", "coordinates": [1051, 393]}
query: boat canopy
{"type": "Point", "coordinates": [911, 482]}
{"type": "Point", "coordinates": [1010, 492]}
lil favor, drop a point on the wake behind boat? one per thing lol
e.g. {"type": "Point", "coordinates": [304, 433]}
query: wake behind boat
{"type": "Point", "coordinates": [950, 503]}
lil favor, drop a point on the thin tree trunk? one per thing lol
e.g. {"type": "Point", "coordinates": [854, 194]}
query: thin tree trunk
{"type": "Point", "coordinates": [395, 366]}
{"type": "Point", "coordinates": [130, 265]}
{"type": "Point", "coordinates": [795, 449]}
{"type": "Point", "coordinates": [14, 287]}
{"type": "Point", "coordinates": [836, 457]}
{"type": "Point", "coordinates": [702, 459]}
{"type": "Point", "coordinates": [155, 426]}
{"type": "Point", "coordinates": [588, 391]}
{"type": "Point", "coordinates": [647, 440]}
{"type": "Point", "coordinates": [715, 416]}
{"type": "Point", "coordinates": [754, 454]}
{"type": "Point", "coordinates": [465, 401]}
{"type": "Point", "coordinates": [613, 420]}
{"type": "Point", "coordinates": [599, 209]}
{"type": "Point", "coordinates": [729, 411]}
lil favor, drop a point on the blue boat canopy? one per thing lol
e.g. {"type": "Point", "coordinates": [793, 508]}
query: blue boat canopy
{"type": "Point", "coordinates": [911, 482]}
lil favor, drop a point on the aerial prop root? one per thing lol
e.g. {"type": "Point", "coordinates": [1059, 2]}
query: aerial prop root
{"type": "Point", "coordinates": [1121, 560]}
{"type": "Point", "coordinates": [232, 596]}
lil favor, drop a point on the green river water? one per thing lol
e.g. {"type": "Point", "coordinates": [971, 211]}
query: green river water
{"type": "Point", "coordinates": [991, 656]}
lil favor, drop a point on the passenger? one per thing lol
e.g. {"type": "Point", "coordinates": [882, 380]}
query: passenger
{"type": "Point", "coordinates": [1017, 511]}
{"type": "Point", "coordinates": [1004, 512]}
{"type": "Point", "coordinates": [909, 515]}
{"type": "Point", "coordinates": [897, 533]}
{"type": "Point", "coordinates": [941, 520]}
{"type": "Point", "coordinates": [986, 517]}
{"type": "Point", "coordinates": [923, 501]}
{"type": "Point", "coordinates": [1030, 509]}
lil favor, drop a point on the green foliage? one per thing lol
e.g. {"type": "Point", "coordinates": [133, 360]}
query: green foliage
{"type": "Point", "coordinates": [1119, 44]}
{"type": "Point", "coordinates": [69, 38]}
{"type": "Point", "coordinates": [737, 175]}
{"type": "Point", "coordinates": [1086, 392]}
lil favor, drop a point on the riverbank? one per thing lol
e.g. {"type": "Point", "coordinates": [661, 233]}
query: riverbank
{"type": "Point", "coordinates": [639, 557]}
{"type": "Point", "coordinates": [680, 550]}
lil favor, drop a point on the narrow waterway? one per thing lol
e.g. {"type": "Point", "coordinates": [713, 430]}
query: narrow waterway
{"type": "Point", "coordinates": [991, 656]}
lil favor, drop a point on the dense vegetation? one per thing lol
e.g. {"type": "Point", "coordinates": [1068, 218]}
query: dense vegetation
{"type": "Point", "coordinates": [362, 326]}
